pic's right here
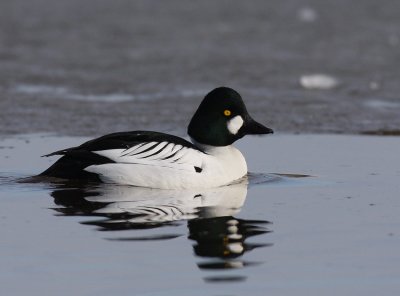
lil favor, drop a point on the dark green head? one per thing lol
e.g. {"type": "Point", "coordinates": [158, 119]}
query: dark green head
{"type": "Point", "coordinates": [222, 118]}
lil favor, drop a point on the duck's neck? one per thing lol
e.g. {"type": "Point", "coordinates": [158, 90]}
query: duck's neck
{"type": "Point", "coordinates": [209, 149]}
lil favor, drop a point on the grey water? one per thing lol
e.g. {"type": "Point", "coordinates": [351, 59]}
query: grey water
{"type": "Point", "coordinates": [317, 215]}
{"type": "Point", "coordinates": [309, 220]}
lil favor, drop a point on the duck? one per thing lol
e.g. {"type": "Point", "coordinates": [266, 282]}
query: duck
{"type": "Point", "coordinates": [164, 161]}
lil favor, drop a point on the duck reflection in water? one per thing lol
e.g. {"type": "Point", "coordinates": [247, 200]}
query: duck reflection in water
{"type": "Point", "coordinates": [218, 235]}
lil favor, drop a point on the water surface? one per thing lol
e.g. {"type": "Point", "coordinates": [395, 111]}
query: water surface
{"type": "Point", "coordinates": [312, 220]}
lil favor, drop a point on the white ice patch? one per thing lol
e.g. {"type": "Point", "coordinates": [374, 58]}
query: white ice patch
{"type": "Point", "coordinates": [307, 14]}
{"type": "Point", "coordinates": [67, 93]}
{"type": "Point", "coordinates": [318, 81]}
{"type": "Point", "coordinates": [235, 124]}
{"type": "Point", "coordinates": [381, 104]}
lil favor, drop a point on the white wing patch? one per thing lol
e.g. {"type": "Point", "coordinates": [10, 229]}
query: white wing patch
{"type": "Point", "coordinates": [167, 165]}
{"type": "Point", "coordinates": [160, 154]}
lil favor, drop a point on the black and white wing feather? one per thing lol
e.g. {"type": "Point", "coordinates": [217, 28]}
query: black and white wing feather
{"type": "Point", "coordinates": [136, 147]}
{"type": "Point", "coordinates": [161, 154]}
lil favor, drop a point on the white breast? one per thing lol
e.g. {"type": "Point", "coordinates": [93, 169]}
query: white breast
{"type": "Point", "coordinates": [170, 166]}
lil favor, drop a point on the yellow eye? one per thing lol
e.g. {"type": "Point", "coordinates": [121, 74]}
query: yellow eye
{"type": "Point", "coordinates": [227, 112]}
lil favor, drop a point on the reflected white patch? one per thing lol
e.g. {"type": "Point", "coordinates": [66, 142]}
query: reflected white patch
{"type": "Point", "coordinates": [235, 124]}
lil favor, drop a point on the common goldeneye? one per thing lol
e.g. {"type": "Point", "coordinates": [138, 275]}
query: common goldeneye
{"type": "Point", "coordinates": [158, 160]}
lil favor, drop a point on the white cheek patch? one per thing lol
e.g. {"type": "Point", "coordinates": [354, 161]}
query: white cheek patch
{"type": "Point", "coordinates": [235, 124]}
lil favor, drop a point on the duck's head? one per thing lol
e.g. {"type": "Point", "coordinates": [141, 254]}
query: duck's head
{"type": "Point", "coordinates": [222, 118]}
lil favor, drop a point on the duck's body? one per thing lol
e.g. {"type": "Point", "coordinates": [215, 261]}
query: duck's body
{"type": "Point", "coordinates": [150, 159]}
{"type": "Point", "coordinates": [158, 160]}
